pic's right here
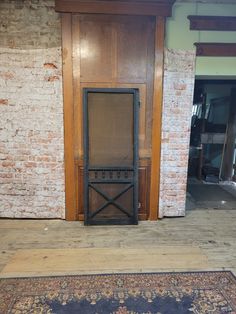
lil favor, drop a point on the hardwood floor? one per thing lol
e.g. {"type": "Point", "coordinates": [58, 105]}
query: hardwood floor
{"type": "Point", "coordinates": [201, 240]}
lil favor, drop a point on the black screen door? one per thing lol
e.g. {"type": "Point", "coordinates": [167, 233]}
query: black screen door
{"type": "Point", "coordinates": [111, 156]}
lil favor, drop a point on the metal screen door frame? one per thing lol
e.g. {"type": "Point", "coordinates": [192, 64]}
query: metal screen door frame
{"type": "Point", "coordinates": [102, 173]}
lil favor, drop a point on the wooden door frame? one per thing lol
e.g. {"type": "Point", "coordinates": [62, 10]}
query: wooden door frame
{"type": "Point", "coordinates": [68, 106]}
{"type": "Point", "coordinates": [68, 102]}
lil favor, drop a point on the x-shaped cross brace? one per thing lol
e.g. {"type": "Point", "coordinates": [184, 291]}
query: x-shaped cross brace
{"type": "Point", "coordinates": [110, 200]}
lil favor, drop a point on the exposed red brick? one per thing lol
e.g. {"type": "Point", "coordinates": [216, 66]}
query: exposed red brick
{"type": "Point", "coordinates": [50, 66]}
{"type": "Point", "coordinates": [165, 140]}
{"type": "Point", "coordinates": [7, 75]}
{"type": "Point", "coordinates": [30, 164]}
{"type": "Point", "coordinates": [44, 158]}
{"type": "Point", "coordinates": [178, 93]}
{"type": "Point", "coordinates": [180, 86]}
{"type": "Point", "coordinates": [8, 164]}
{"type": "Point", "coordinates": [3, 101]}
{"type": "Point", "coordinates": [6, 175]}
{"type": "Point", "coordinates": [52, 78]}
{"type": "Point", "coordinates": [52, 135]}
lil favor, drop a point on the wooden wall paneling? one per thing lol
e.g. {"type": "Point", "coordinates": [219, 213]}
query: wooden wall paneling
{"type": "Point", "coordinates": [144, 179]}
{"type": "Point", "coordinates": [70, 176]}
{"type": "Point", "coordinates": [212, 23]}
{"type": "Point", "coordinates": [132, 46]}
{"type": "Point", "coordinates": [96, 49]}
{"type": "Point", "coordinates": [142, 114]}
{"type": "Point", "coordinates": [157, 112]}
{"type": "Point", "coordinates": [216, 49]}
{"type": "Point", "coordinates": [101, 59]}
{"type": "Point", "coordinates": [157, 7]}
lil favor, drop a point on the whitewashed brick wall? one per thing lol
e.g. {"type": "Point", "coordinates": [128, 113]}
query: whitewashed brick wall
{"type": "Point", "coordinates": [31, 134]}
{"type": "Point", "coordinates": [176, 118]}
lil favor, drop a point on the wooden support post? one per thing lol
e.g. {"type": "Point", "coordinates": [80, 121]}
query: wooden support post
{"type": "Point", "coordinates": [156, 122]}
{"type": "Point", "coordinates": [203, 126]}
{"type": "Point", "coordinates": [227, 167]}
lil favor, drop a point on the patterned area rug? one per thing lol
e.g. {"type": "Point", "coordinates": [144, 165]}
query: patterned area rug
{"type": "Point", "coordinates": [159, 293]}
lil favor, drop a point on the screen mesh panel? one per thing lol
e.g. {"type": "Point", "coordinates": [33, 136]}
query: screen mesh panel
{"type": "Point", "coordinates": [110, 119]}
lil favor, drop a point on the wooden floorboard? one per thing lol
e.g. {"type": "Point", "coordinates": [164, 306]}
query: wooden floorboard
{"type": "Point", "coordinates": [103, 260]}
{"type": "Point", "coordinates": [212, 232]}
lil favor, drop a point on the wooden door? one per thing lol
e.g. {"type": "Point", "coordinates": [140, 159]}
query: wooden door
{"type": "Point", "coordinates": [110, 129]}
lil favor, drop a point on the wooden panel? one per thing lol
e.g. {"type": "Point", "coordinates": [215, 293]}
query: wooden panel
{"type": "Point", "coordinates": [144, 178]}
{"type": "Point", "coordinates": [134, 68]}
{"type": "Point", "coordinates": [212, 23]}
{"type": "Point", "coordinates": [154, 8]}
{"type": "Point", "coordinates": [216, 49]}
{"type": "Point", "coordinates": [157, 112]}
{"type": "Point", "coordinates": [132, 48]}
{"type": "Point", "coordinates": [70, 181]}
{"type": "Point", "coordinates": [96, 50]}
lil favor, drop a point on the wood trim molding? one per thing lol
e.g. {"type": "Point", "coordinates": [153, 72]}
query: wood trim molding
{"type": "Point", "coordinates": [157, 120]}
{"type": "Point", "coordinates": [70, 181]}
{"type": "Point", "coordinates": [215, 49]}
{"type": "Point", "coordinates": [131, 7]}
{"type": "Point", "coordinates": [212, 23]}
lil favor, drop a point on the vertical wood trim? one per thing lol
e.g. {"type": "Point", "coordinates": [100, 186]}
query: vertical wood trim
{"type": "Point", "coordinates": [78, 112]}
{"type": "Point", "coordinates": [157, 112]}
{"type": "Point", "coordinates": [114, 52]}
{"type": "Point", "coordinates": [68, 117]}
{"type": "Point", "coordinates": [77, 99]}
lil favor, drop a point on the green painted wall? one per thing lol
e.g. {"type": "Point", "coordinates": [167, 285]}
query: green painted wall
{"type": "Point", "coordinates": [178, 36]}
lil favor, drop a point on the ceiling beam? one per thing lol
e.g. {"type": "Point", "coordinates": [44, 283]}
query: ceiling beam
{"type": "Point", "coordinates": [212, 23]}
{"type": "Point", "coordinates": [215, 49]}
{"type": "Point", "coordinates": [131, 7]}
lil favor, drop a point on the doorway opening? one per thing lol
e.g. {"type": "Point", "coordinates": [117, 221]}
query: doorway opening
{"type": "Point", "coordinates": [212, 150]}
